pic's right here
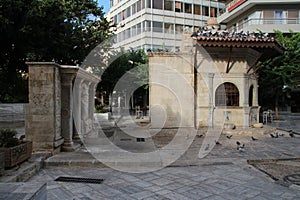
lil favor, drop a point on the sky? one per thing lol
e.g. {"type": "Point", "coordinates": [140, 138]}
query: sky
{"type": "Point", "coordinates": [105, 4]}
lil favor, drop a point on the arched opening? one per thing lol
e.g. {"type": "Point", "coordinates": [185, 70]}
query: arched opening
{"type": "Point", "coordinates": [251, 96]}
{"type": "Point", "coordinates": [227, 94]}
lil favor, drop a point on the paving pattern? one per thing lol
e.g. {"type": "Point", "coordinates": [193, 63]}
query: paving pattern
{"type": "Point", "coordinates": [223, 174]}
{"type": "Point", "coordinates": [199, 182]}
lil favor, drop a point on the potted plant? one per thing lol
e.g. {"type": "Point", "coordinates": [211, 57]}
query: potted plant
{"type": "Point", "coordinates": [15, 150]}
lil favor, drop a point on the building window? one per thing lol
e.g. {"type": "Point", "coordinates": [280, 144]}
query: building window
{"type": "Point", "coordinates": [169, 28]}
{"type": "Point", "coordinates": [178, 6]}
{"type": "Point", "coordinates": [169, 5]}
{"type": "Point", "coordinates": [197, 9]}
{"type": "Point", "coordinates": [227, 94]}
{"type": "Point", "coordinates": [280, 16]}
{"type": "Point", "coordinates": [128, 13]}
{"type": "Point", "coordinates": [157, 4]}
{"type": "Point", "coordinates": [256, 18]}
{"type": "Point", "coordinates": [187, 8]}
{"type": "Point", "coordinates": [147, 26]}
{"type": "Point", "coordinates": [205, 11]}
{"type": "Point", "coordinates": [123, 14]}
{"type": "Point", "coordinates": [157, 27]}
{"type": "Point", "coordinates": [293, 16]}
{"type": "Point", "coordinates": [138, 28]}
{"type": "Point", "coordinates": [213, 12]}
{"type": "Point", "coordinates": [148, 3]}
{"type": "Point", "coordinates": [178, 28]}
{"type": "Point", "coordinates": [133, 9]}
{"type": "Point", "coordinates": [133, 33]}
{"type": "Point", "coordinates": [138, 6]}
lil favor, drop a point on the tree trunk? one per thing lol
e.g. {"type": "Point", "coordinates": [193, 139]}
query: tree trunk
{"type": "Point", "coordinates": [277, 106]}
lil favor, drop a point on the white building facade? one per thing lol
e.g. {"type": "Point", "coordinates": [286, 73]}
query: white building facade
{"type": "Point", "coordinates": [158, 24]}
{"type": "Point", "coordinates": [266, 16]}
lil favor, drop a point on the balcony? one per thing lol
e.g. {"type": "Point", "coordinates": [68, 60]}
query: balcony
{"type": "Point", "coordinates": [269, 25]}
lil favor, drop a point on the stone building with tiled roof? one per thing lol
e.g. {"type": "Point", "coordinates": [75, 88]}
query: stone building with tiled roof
{"type": "Point", "coordinates": [211, 82]}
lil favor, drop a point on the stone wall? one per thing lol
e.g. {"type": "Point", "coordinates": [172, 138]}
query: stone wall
{"type": "Point", "coordinates": [171, 91]}
{"type": "Point", "coordinates": [184, 85]}
{"type": "Point", "coordinates": [51, 123]}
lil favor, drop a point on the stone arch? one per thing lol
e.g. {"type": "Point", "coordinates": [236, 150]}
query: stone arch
{"type": "Point", "coordinates": [227, 94]}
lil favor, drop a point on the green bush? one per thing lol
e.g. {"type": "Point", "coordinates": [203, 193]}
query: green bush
{"type": "Point", "coordinates": [101, 108]}
{"type": "Point", "coordinates": [8, 138]}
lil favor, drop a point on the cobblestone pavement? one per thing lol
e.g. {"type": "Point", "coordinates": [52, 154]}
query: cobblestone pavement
{"type": "Point", "coordinates": [223, 174]}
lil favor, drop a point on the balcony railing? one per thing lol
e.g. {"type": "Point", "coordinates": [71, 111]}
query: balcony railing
{"type": "Point", "coordinates": [267, 21]}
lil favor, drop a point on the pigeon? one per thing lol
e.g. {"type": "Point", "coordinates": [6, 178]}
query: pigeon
{"type": "Point", "coordinates": [253, 138]}
{"type": "Point", "coordinates": [229, 136]}
{"type": "Point", "coordinates": [281, 134]}
{"type": "Point", "coordinates": [240, 147]}
{"type": "Point", "coordinates": [217, 142]}
{"type": "Point", "coordinates": [275, 135]}
{"type": "Point", "coordinates": [200, 135]}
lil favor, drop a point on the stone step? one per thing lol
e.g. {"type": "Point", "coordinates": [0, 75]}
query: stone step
{"type": "Point", "coordinates": [23, 191]}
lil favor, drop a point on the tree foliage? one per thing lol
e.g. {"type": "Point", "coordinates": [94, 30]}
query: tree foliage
{"type": "Point", "coordinates": [280, 73]}
{"type": "Point", "coordinates": [121, 63]}
{"type": "Point", "coordinates": [64, 31]}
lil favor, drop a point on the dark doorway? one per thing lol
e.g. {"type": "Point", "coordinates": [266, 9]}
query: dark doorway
{"type": "Point", "coordinates": [251, 96]}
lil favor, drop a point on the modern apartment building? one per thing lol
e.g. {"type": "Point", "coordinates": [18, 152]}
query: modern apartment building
{"type": "Point", "coordinates": [158, 24]}
{"type": "Point", "coordinates": [264, 15]}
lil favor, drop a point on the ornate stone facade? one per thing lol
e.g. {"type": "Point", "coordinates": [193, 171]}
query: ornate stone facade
{"type": "Point", "coordinates": [61, 105]}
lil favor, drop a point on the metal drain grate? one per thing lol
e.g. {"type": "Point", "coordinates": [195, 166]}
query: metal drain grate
{"type": "Point", "coordinates": [293, 178]}
{"type": "Point", "coordinates": [79, 180]}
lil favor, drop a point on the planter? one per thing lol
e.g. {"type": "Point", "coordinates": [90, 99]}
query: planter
{"type": "Point", "coordinates": [17, 154]}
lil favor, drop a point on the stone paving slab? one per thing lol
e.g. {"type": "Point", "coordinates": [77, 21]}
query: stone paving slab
{"type": "Point", "coordinates": [23, 191]}
{"type": "Point", "coordinates": [223, 174]}
{"type": "Point", "coordinates": [196, 182]}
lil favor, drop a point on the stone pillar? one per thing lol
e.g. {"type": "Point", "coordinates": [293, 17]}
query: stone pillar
{"type": "Point", "coordinates": [85, 108]}
{"type": "Point", "coordinates": [77, 109]}
{"type": "Point", "coordinates": [246, 91]}
{"type": "Point", "coordinates": [43, 113]}
{"type": "Point", "coordinates": [246, 101]}
{"type": "Point", "coordinates": [92, 89]}
{"type": "Point", "coordinates": [67, 76]}
{"type": "Point", "coordinates": [211, 98]}
{"type": "Point", "coordinates": [255, 93]}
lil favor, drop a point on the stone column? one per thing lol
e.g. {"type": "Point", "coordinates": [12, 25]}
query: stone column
{"type": "Point", "coordinates": [77, 109]}
{"type": "Point", "coordinates": [246, 100]}
{"type": "Point", "coordinates": [211, 98]}
{"type": "Point", "coordinates": [92, 89]}
{"type": "Point", "coordinates": [67, 76]}
{"type": "Point", "coordinates": [85, 108]}
{"type": "Point", "coordinates": [255, 93]}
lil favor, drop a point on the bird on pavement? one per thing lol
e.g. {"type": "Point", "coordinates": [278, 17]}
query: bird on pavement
{"type": "Point", "coordinates": [275, 135]}
{"type": "Point", "coordinates": [229, 136]}
{"type": "Point", "coordinates": [217, 142]}
{"type": "Point", "coordinates": [253, 138]}
{"type": "Point", "coordinates": [240, 147]}
{"type": "Point", "coordinates": [292, 134]}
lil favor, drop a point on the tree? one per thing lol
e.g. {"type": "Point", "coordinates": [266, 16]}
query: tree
{"type": "Point", "coordinates": [64, 31]}
{"type": "Point", "coordinates": [133, 61]}
{"type": "Point", "coordinates": [121, 63]}
{"type": "Point", "coordinates": [282, 72]}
